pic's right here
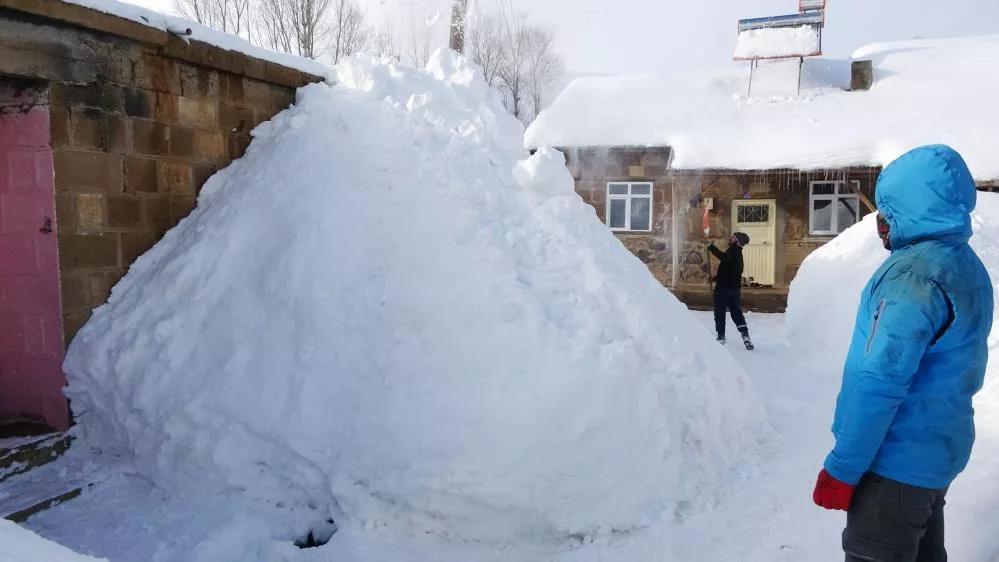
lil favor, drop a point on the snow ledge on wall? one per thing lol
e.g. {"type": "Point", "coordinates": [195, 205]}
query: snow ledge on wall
{"type": "Point", "coordinates": [202, 33]}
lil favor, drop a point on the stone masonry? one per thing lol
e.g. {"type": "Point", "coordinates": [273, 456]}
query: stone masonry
{"type": "Point", "coordinates": [677, 196]}
{"type": "Point", "coordinates": [140, 120]}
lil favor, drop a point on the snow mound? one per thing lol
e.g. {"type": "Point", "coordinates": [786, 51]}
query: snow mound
{"type": "Point", "coordinates": [18, 544]}
{"type": "Point", "coordinates": [778, 42]}
{"type": "Point", "coordinates": [824, 296]}
{"type": "Point", "coordinates": [825, 293]}
{"type": "Point", "coordinates": [386, 311]}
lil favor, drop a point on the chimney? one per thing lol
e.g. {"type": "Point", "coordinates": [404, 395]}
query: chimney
{"type": "Point", "coordinates": [861, 75]}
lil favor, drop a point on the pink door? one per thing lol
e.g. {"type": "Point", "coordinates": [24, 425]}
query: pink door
{"type": "Point", "coordinates": [31, 346]}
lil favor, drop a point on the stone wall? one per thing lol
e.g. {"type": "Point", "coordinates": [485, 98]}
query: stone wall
{"type": "Point", "coordinates": [593, 168]}
{"type": "Point", "coordinates": [140, 119]}
{"type": "Point", "coordinates": [790, 190]}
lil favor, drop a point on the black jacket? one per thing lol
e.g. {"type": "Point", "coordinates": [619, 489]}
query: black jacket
{"type": "Point", "coordinates": [729, 267]}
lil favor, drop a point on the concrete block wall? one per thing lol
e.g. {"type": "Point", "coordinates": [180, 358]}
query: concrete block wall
{"type": "Point", "coordinates": [140, 121]}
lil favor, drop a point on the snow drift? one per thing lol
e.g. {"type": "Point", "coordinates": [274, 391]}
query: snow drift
{"type": "Point", "coordinates": [825, 293]}
{"type": "Point", "coordinates": [18, 544]}
{"type": "Point", "coordinates": [824, 296]}
{"type": "Point", "coordinates": [384, 310]}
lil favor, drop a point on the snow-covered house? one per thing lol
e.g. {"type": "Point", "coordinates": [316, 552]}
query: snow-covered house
{"type": "Point", "coordinates": [111, 119]}
{"type": "Point", "coordinates": [649, 152]}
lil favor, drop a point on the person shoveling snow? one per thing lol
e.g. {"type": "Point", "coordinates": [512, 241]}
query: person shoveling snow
{"type": "Point", "coordinates": [728, 287]}
{"type": "Point", "coordinates": [904, 422]}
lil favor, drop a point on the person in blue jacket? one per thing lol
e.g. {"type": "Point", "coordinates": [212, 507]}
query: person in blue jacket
{"type": "Point", "coordinates": [904, 423]}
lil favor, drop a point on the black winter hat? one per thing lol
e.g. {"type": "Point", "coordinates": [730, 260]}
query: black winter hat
{"type": "Point", "coordinates": [742, 238]}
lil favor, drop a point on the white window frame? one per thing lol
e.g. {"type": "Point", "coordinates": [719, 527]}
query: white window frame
{"type": "Point", "coordinates": [627, 198]}
{"type": "Point", "coordinates": [839, 192]}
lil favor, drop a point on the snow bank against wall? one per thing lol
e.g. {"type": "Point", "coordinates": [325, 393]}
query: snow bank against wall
{"type": "Point", "coordinates": [18, 544]}
{"type": "Point", "coordinates": [824, 296]}
{"type": "Point", "coordinates": [778, 42]}
{"type": "Point", "coordinates": [385, 310]}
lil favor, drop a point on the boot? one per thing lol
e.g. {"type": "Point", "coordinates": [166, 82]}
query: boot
{"type": "Point", "coordinates": [747, 341]}
{"type": "Point", "coordinates": [721, 339]}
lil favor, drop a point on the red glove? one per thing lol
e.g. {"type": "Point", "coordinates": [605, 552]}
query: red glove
{"type": "Point", "coordinates": [831, 493]}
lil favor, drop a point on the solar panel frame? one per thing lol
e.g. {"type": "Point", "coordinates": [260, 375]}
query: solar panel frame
{"type": "Point", "coordinates": [811, 5]}
{"type": "Point", "coordinates": [814, 19]}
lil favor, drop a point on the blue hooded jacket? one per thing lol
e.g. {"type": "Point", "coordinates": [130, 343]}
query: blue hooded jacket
{"type": "Point", "coordinates": [919, 346]}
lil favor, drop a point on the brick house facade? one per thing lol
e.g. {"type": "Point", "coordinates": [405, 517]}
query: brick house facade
{"type": "Point", "coordinates": [138, 120]}
{"type": "Point", "coordinates": [801, 201]}
{"type": "Point", "coordinates": [678, 198]}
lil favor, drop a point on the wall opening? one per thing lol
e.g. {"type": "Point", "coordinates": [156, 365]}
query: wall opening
{"type": "Point", "coordinates": [31, 341]}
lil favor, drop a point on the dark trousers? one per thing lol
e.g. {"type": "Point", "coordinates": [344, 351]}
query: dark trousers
{"type": "Point", "coordinates": [729, 299]}
{"type": "Point", "coordinates": [893, 522]}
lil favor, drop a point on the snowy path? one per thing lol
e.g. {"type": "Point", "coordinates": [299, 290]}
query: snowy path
{"type": "Point", "coordinates": [768, 515]}
{"type": "Point", "coordinates": [772, 516]}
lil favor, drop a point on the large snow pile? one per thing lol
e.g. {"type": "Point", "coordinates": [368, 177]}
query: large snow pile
{"type": "Point", "coordinates": [18, 544]}
{"type": "Point", "coordinates": [381, 309]}
{"type": "Point", "coordinates": [778, 42]}
{"type": "Point", "coordinates": [946, 85]}
{"type": "Point", "coordinates": [825, 294]}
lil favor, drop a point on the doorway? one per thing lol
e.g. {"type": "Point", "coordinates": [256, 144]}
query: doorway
{"type": "Point", "coordinates": [758, 219]}
{"type": "Point", "coordinates": [31, 342]}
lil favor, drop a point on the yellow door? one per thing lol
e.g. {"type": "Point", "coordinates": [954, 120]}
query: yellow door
{"type": "Point", "coordinates": [758, 219]}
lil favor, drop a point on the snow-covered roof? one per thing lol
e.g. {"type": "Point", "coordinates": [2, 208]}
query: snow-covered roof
{"type": "Point", "coordinates": [925, 91]}
{"type": "Point", "coordinates": [202, 33]}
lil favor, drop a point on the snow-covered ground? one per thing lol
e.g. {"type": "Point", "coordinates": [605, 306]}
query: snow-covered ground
{"type": "Point", "coordinates": [765, 514]}
{"type": "Point", "coordinates": [18, 544]}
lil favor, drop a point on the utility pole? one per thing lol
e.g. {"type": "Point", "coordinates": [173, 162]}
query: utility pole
{"type": "Point", "coordinates": [459, 12]}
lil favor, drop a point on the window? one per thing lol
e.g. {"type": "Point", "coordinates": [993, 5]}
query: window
{"type": "Point", "coordinates": [753, 214]}
{"type": "Point", "coordinates": [629, 206]}
{"type": "Point", "coordinates": [833, 207]}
